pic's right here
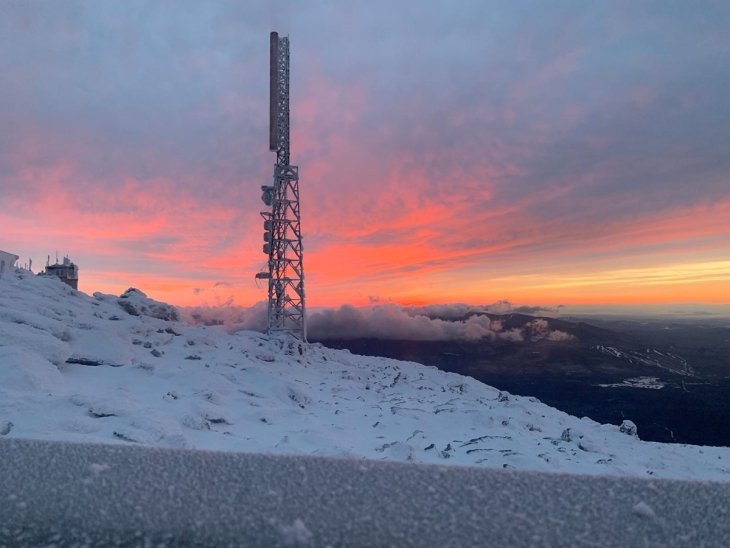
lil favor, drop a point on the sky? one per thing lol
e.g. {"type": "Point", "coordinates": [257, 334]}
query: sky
{"type": "Point", "coordinates": [545, 153]}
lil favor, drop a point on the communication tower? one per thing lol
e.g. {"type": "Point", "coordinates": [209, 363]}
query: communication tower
{"type": "Point", "coordinates": [282, 222]}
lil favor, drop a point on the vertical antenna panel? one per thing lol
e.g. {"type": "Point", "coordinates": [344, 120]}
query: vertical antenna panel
{"type": "Point", "coordinates": [273, 91]}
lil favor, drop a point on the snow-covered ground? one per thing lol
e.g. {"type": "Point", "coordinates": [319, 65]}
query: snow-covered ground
{"type": "Point", "coordinates": [652, 383]}
{"type": "Point", "coordinates": [127, 370]}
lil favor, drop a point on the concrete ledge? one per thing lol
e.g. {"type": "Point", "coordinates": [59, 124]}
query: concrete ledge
{"type": "Point", "coordinates": [63, 494]}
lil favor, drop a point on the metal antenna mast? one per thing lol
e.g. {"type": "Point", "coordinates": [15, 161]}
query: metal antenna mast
{"type": "Point", "coordinates": [282, 223]}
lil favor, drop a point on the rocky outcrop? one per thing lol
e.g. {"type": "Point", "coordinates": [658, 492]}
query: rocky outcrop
{"type": "Point", "coordinates": [629, 428]}
{"type": "Point", "coordinates": [136, 303]}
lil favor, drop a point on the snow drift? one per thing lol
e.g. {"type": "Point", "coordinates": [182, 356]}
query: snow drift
{"type": "Point", "coordinates": [126, 370]}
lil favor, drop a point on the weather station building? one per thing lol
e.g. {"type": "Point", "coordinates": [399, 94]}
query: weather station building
{"type": "Point", "coordinates": [7, 262]}
{"type": "Point", "coordinates": [67, 272]}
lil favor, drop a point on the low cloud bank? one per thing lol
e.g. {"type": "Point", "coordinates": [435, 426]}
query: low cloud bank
{"type": "Point", "coordinates": [391, 321]}
{"type": "Point", "coordinates": [540, 329]}
{"type": "Point", "coordinates": [229, 318]}
{"type": "Point", "coordinates": [461, 311]}
{"type": "Point", "coordinates": [438, 322]}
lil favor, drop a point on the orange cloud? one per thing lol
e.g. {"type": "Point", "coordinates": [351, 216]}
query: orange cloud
{"type": "Point", "coordinates": [413, 210]}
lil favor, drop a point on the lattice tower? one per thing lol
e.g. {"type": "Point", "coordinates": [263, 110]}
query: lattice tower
{"type": "Point", "coordinates": [282, 222]}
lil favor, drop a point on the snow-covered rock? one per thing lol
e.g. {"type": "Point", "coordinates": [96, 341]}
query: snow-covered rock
{"type": "Point", "coordinates": [126, 370]}
{"type": "Point", "coordinates": [629, 428]}
{"type": "Point", "coordinates": [23, 371]}
{"type": "Point", "coordinates": [101, 347]}
{"type": "Point", "coordinates": [136, 303]}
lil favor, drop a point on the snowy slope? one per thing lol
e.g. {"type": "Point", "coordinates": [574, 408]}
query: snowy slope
{"type": "Point", "coordinates": [127, 370]}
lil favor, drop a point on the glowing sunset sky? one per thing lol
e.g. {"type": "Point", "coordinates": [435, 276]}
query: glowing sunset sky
{"type": "Point", "coordinates": [542, 152]}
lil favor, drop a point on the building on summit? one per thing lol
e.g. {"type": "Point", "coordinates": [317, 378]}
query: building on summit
{"type": "Point", "coordinates": [7, 262]}
{"type": "Point", "coordinates": [67, 272]}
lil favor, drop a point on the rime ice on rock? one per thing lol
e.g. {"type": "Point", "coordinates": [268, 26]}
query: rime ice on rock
{"type": "Point", "coordinates": [136, 303]}
{"type": "Point", "coordinates": [629, 428]}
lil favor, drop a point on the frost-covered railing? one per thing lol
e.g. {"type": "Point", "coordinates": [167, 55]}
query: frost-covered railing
{"type": "Point", "coordinates": [63, 494]}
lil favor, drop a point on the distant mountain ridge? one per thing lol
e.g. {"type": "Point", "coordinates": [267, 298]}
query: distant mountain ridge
{"type": "Point", "coordinates": [602, 371]}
